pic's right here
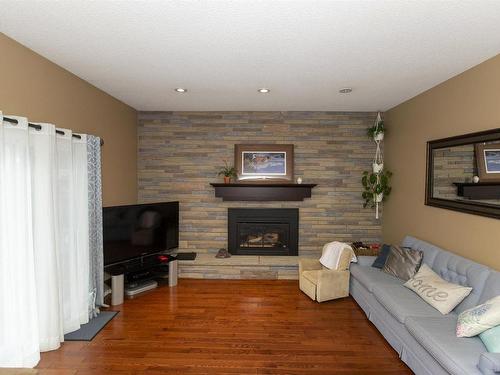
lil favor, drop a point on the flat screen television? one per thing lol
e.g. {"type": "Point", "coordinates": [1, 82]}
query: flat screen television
{"type": "Point", "coordinates": [139, 230]}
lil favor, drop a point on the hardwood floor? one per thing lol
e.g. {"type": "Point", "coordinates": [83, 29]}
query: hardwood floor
{"type": "Point", "coordinates": [230, 327]}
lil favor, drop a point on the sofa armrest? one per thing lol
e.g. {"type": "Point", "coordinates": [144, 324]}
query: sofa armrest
{"type": "Point", "coordinates": [366, 260]}
{"type": "Point", "coordinates": [307, 264]}
{"type": "Point", "coordinates": [489, 363]}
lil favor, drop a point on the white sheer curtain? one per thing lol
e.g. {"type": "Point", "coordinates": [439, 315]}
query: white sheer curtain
{"type": "Point", "coordinates": [81, 222]}
{"type": "Point", "coordinates": [66, 232]}
{"type": "Point", "coordinates": [19, 343]}
{"type": "Point", "coordinates": [46, 252]}
{"type": "Point", "coordinates": [44, 239]}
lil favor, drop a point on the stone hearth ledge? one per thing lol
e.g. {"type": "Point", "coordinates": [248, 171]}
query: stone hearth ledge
{"type": "Point", "coordinates": [206, 266]}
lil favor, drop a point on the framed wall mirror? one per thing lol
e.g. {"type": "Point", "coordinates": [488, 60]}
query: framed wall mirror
{"type": "Point", "coordinates": [463, 173]}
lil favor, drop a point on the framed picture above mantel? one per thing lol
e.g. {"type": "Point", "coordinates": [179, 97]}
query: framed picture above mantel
{"type": "Point", "coordinates": [488, 161]}
{"type": "Point", "coordinates": [264, 162]}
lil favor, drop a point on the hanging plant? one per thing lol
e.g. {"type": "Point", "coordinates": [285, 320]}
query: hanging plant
{"type": "Point", "coordinates": [376, 187]}
{"type": "Point", "coordinates": [378, 160]}
{"type": "Point", "coordinates": [377, 131]}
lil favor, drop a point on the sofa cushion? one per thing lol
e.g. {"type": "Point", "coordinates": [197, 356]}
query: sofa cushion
{"type": "Point", "coordinates": [402, 303]}
{"type": "Point", "coordinates": [437, 336]}
{"type": "Point", "coordinates": [365, 260]}
{"type": "Point", "coordinates": [369, 276]}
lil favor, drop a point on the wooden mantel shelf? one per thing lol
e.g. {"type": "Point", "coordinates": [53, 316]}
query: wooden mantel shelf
{"type": "Point", "coordinates": [263, 191]}
{"type": "Point", "coordinates": [481, 190]}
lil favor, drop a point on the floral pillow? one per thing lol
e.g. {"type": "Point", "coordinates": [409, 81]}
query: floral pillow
{"type": "Point", "coordinates": [478, 319]}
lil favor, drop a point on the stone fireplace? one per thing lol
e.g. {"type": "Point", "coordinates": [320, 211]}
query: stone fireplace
{"type": "Point", "coordinates": [180, 154]}
{"type": "Point", "coordinates": [263, 231]}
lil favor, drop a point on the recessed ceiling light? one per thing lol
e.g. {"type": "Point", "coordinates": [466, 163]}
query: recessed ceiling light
{"type": "Point", "coordinates": [180, 89]}
{"type": "Point", "coordinates": [264, 90]}
{"type": "Point", "coordinates": [345, 90]}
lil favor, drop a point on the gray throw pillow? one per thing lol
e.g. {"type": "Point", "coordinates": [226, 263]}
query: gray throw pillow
{"type": "Point", "coordinates": [403, 263]}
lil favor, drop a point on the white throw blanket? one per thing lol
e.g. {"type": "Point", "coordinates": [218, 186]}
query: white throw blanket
{"type": "Point", "coordinates": [331, 254]}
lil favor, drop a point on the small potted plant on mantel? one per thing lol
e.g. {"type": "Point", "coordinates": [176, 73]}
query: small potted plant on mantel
{"type": "Point", "coordinates": [228, 172]}
{"type": "Point", "coordinates": [377, 131]}
{"type": "Point", "coordinates": [376, 187]}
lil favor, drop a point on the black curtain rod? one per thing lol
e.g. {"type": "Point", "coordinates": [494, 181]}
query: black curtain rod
{"type": "Point", "coordinates": [39, 127]}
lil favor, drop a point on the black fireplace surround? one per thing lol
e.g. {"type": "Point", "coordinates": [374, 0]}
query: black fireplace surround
{"type": "Point", "coordinates": [263, 231]}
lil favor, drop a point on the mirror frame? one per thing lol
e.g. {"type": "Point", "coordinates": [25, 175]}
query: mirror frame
{"type": "Point", "coordinates": [472, 207]}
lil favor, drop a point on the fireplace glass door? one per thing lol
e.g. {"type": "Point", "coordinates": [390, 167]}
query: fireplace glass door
{"type": "Point", "coordinates": [263, 231]}
{"type": "Point", "coordinates": [263, 235]}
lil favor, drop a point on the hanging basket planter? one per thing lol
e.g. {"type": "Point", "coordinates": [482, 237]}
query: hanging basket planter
{"type": "Point", "coordinates": [376, 184]}
{"type": "Point", "coordinates": [376, 132]}
{"type": "Point", "coordinates": [377, 167]}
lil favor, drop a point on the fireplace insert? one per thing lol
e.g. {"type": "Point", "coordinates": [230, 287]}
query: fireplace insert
{"type": "Point", "coordinates": [263, 231]}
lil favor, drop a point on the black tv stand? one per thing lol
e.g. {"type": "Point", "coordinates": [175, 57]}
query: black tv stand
{"type": "Point", "coordinates": [145, 273]}
{"type": "Point", "coordinates": [154, 262]}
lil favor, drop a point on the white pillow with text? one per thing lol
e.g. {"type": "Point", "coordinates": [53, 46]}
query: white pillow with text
{"type": "Point", "coordinates": [438, 293]}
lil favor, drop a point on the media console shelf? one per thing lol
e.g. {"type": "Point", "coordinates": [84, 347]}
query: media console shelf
{"type": "Point", "coordinates": [263, 191]}
{"type": "Point", "coordinates": [481, 190]}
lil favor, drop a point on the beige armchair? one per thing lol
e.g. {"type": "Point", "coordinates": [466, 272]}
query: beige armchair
{"type": "Point", "coordinates": [323, 284]}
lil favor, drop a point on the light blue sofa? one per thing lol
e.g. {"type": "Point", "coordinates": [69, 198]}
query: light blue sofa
{"type": "Point", "coordinates": [424, 338]}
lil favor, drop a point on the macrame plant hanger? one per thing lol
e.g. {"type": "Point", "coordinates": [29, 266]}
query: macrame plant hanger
{"type": "Point", "coordinates": [378, 161]}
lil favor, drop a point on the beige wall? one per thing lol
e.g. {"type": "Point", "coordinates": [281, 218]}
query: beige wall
{"type": "Point", "coordinates": [467, 103]}
{"type": "Point", "coordinates": [34, 87]}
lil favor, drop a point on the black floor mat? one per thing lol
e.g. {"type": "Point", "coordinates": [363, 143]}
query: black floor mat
{"type": "Point", "coordinates": [88, 331]}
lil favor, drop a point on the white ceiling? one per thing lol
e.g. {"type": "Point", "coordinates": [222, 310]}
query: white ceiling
{"type": "Point", "coordinates": [223, 51]}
